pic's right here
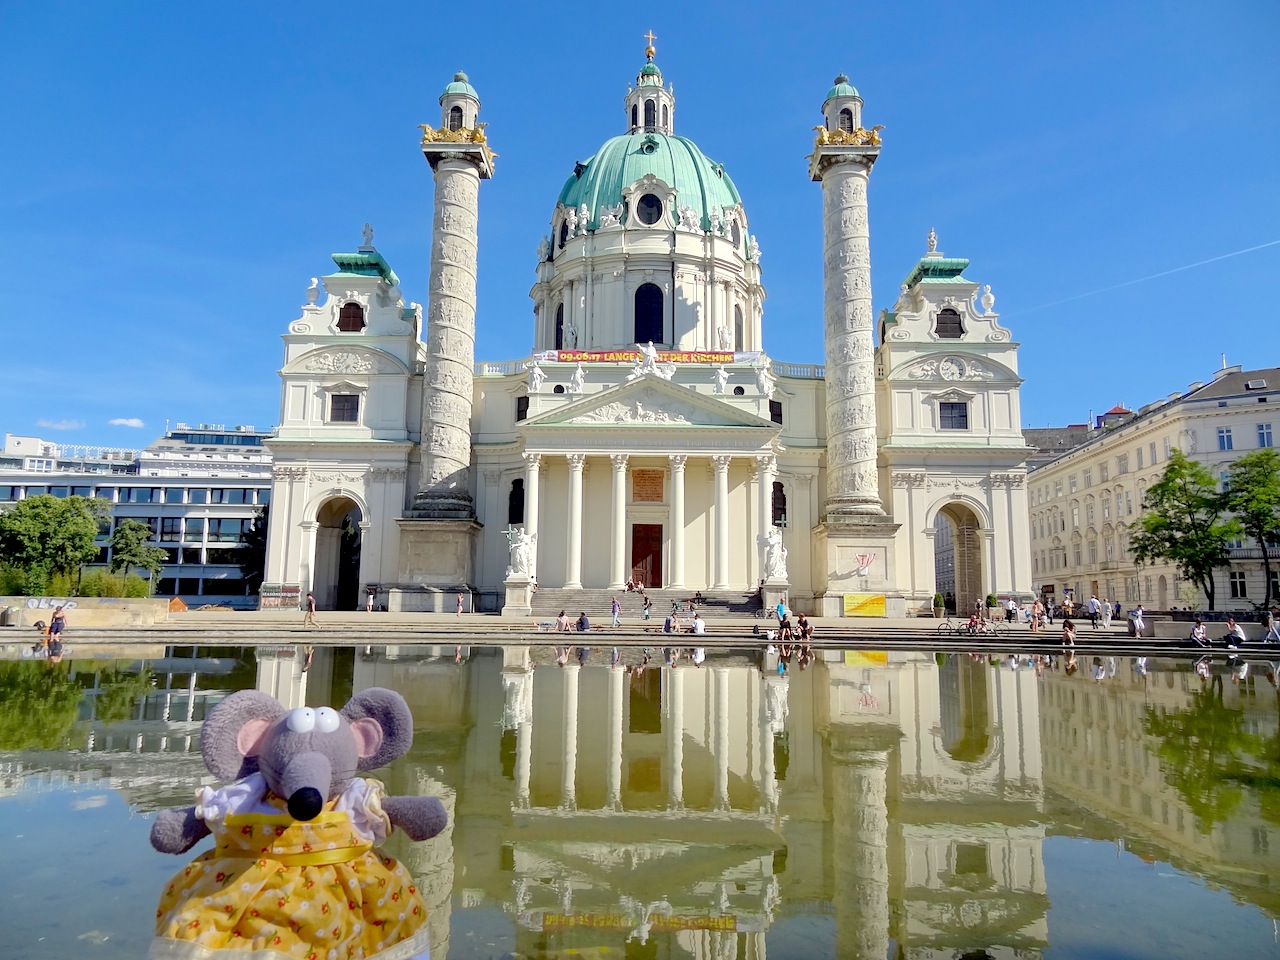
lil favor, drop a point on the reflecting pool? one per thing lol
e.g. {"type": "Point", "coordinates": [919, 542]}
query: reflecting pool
{"type": "Point", "coordinates": [872, 805]}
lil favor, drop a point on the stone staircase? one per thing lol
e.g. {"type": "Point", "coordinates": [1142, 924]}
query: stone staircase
{"type": "Point", "coordinates": [597, 603]}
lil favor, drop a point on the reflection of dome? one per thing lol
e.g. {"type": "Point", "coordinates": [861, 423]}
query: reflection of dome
{"type": "Point", "coordinates": [621, 161]}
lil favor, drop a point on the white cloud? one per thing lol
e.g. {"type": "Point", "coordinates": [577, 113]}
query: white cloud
{"type": "Point", "coordinates": [60, 424]}
{"type": "Point", "coordinates": [126, 422]}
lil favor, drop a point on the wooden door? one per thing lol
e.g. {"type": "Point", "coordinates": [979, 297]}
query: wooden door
{"type": "Point", "coordinates": [646, 553]}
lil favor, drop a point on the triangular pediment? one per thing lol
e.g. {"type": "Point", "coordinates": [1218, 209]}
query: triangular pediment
{"type": "Point", "coordinates": [646, 403]}
{"type": "Point", "coordinates": [345, 358]}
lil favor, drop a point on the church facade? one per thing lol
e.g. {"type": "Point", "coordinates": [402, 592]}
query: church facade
{"type": "Point", "coordinates": [647, 436]}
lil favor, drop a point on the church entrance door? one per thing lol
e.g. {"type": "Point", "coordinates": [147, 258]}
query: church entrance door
{"type": "Point", "coordinates": [646, 553]}
{"type": "Point", "coordinates": [958, 556]}
{"type": "Point", "coordinates": [336, 577]}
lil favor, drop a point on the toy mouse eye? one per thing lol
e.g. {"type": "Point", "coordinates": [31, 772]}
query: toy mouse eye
{"type": "Point", "coordinates": [326, 720]}
{"type": "Point", "coordinates": [302, 720]}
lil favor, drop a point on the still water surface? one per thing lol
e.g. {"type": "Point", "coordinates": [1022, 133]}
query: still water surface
{"type": "Point", "coordinates": [872, 805]}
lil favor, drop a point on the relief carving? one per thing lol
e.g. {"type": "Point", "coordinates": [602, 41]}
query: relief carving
{"type": "Point", "coordinates": [338, 362]}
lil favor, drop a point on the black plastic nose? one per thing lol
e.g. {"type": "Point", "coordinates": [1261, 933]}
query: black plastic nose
{"type": "Point", "coordinates": [305, 804]}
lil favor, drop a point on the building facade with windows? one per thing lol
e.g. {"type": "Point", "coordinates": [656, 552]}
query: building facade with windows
{"type": "Point", "coordinates": [647, 435]}
{"type": "Point", "coordinates": [1085, 503]}
{"type": "Point", "coordinates": [199, 489]}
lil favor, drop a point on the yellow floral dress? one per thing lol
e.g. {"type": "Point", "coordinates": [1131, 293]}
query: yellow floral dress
{"type": "Point", "coordinates": [275, 887]}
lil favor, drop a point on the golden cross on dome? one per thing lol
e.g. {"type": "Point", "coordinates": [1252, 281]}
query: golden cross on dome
{"type": "Point", "coordinates": [649, 51]}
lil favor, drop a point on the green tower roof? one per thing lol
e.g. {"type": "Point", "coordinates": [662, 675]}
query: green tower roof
{"type": "Point", "coordinates": [937, 269]}
{"type": "Point", "coordinates": [699, 182]}
{"type": "Point", "coordinates": [460, 86]}
{"type": "Point", "coordinates": [365, 263]}
{"type": "Point", "coordinates": [842, 88]}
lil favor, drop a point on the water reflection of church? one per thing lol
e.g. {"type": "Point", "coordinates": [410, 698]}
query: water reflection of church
{"type": "Point", "coordinates": [883, 801]}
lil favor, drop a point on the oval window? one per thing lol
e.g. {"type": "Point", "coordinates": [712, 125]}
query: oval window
{"type": "Point", "coordinates": [649, 209]}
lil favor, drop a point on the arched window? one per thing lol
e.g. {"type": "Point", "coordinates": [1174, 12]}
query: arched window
{"type": "Point", "coordinates": [779, 504]}
{"type": "Point", "coordinates": [351, 318]}
{"type": "Point", "coordinates": [947, 326]}
{"type": "Point", "coordinates": [455, 118]}
{"type": "Point", "coordinates": [564, 232]}
{"type": "Point", "coordinates": [560, 327]}
{"type": "Point", "coordinates": [648, 324]}
{"type": "Point", "coordinates": [736, 233]}
{"type": "Point", "coordinates": [635, 116]}
{"type": "Point", "coordinates": [846, 120]}
{"type": "Point", "coordinates": [650, 114]}
{"type": "Point", "coordinates": [515, 503]}
{"type": "Point", "coordinates": [739, 330]}
{"type": "Point", "coordinates": [666, 118]}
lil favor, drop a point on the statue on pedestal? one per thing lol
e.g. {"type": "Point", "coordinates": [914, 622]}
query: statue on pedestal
{"type": "Point", "coordinates": [775, 555]}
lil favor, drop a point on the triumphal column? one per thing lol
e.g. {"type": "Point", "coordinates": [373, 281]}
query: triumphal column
{"type": "Point", "coordinates": [438, 534]}
{"type": "Point", "coordinates": [856, 536]}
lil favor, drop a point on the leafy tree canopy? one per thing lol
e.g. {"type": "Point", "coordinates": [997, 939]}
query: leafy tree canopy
{"type": "Point", "coordinates": [1254, 497]}
{"type": "Point", "coordinates": [45, 535]}
{"type": "Point", "coordinates": [1183, 523]}
{"type": "Point", "coordinates": [129, 548]}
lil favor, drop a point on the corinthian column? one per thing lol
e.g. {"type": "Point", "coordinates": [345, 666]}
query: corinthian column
{"type": "Point", "coordinates": [851, 412]}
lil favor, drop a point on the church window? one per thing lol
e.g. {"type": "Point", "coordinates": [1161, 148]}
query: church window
{"type": "Point", "coordinates": [947, 326]}
{"type": "Point", "coordinates": [650, 114]}
{"type": "Point", "coordinates": [522, 408]}
{"type": "Point", "coordinates": [560, 327]}
{"type": "Point", "coordinates": [564, 232]}
{"type": "Point", "coordinates": [648, 322]}
{"type": "Point", "coordinates": [344, 408]}
{"type": "Point", "coordinates": [558, 388]}
{"type": "Point", "coordinates": [846, 120]}
{"type": "Point", "coordinates": [649, 209]}
{"type": "Point", "coordinates": [739, 391]}
{"type": "Point", "coordinates": [779, 504]}
{"type": "Point", "coordinates": [666, 118]}
{"type": "Point", "coordinates": [739, 330]}
{"type": "Point", "coordinates": [635, 116]}
{"type": "Point", "coordinates": [953, 416]}
{"type": "Point", "coordinates": [515, 503]}
{"type": "Point", "coordinates": [775, 411]}
{"type": "Point", "coordinates": [455, 118]}
{"type": "Point", "coordinates": [351, 318]}
{"type": "Point", "coordinates": [736, 232]}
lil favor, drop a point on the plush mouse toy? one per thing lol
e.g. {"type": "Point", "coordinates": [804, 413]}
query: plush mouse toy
{"type": "Point", "coordinates": [293, 872]}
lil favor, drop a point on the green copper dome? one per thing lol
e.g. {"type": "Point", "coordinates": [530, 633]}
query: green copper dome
{"type": "Point", "coordinates": [698, 181]}
{"type": "Point", "coordinates": [460, 86]}
{"type": "Point", "coordinates": [650, 74]}
{"type": "Point", "coordinates": [842, 88]}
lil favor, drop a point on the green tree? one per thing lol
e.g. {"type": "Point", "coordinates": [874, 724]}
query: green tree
{"type": "Point", "coordinates": [129, 549]}
{"type": "Point", "coordinates": [253, 555]}
{"type": "Point", "coordinates": [45, 535]}
{"type": "Point", "coordinates": [1182, 523]}
{"type": "Point", "coordinates": [1254, 497]}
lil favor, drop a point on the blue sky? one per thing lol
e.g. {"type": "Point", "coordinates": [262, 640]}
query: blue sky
{"type": "Point", "coordinates": [175, 173]}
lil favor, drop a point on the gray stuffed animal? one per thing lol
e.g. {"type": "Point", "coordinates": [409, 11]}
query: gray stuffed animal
{"type": "Point", "coordinates": [294, 834]}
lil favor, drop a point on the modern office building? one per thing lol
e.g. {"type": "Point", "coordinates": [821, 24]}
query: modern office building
{"type": "Point", "coordinates": [1085, 503]}
{"type": "Point", "coordinates": [197, 488]}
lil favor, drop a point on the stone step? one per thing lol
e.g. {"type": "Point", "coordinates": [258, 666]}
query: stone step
{"type": "Point", "coordinates": [597, 603]}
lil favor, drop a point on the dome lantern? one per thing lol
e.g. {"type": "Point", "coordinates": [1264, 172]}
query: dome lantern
{"type": "Point", "coordinates": [459, 104]}
{"type": "Point", "coordinates": [842, 108]}
{"type": "Point", "coordinates": [650, 107]}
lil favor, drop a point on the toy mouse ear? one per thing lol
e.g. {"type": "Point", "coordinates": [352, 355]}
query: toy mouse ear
{"type": "Point", "coordinates": [233, 730]}
{"type": "Point", "coordinates": [391, 713]}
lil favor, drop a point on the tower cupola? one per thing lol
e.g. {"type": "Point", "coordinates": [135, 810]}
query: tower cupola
{"type": "Point", "coordinates": [842, 109]}
{"type": "Point", "coordinates": [651, 107]}
{"type": "Point", "coordinates": [459, 104]}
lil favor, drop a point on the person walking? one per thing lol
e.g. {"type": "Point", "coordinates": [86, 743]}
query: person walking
{"type": "Point", "coordinates": [1106, 614]}
{"type": "Point", "coordinates": [1272, 623]}
{"type": "Point", "coordinates": [1094, 609]}
{"type": "Point", "coordinates": [616, 609]}
{"type": "Point", "coordinates": [1139, 623]}
{"type": "Point", "coordinates": [459, 613]}
{"type": "Point", "coordinates": [647, 608]}
{"type": "Point", "coordinates": [309, 620]}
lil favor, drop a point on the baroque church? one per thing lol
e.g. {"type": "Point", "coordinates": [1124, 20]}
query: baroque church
{"type": "Point", "coordinates": [648, 435]}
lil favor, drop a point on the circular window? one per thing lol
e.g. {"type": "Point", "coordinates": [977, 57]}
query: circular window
{"type": "Point", "coordinates": [649, 209]}
{"type": "Point", "coordinates": [558, 388]}
{"type": "Point", "coordinates": [739, 391]}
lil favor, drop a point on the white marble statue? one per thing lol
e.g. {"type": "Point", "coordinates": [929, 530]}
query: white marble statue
{"type": "Point", "coordinates": [689, 219]}
{"type": "Point", "coordinates": [544, 248]}
{"type": "Point", "coordinates": [933, 240]}
{"type": "Point", "coordinates": [367, 234]}
{"type": "Point", "coordinates": [721, 378]}
{"type": "Point", "coordinates": [571, 334]}
{"type": "Point", "coordinates": [536, 376]}
{"type": "Point", "coordinates": [578, 380]}
{"type": "Point", "coordinates": [313, 291]}
{"type": "Point", "coordinates": [571, 221]}
{"type": "Point", "coordinates": [988, 299]}
{"type": "Point", "coordinates": [584, 217]}
{"type": "Point", "coordinates": [611, 216]}
{"type": "Point", "coordinates": [521, 552]}
{"type": "Point", "coordinates": [666, 371]}
{"type": "Point", "coordinates": [724, 338]}
{"type": "Point", "coordinates": [753, 250]}
{"type": "Point", "coordinates": [717, 226]}
{"type": "Point", "coordinates": [764, 377]}
{"type": "Point", "coordinates": [775, 555]}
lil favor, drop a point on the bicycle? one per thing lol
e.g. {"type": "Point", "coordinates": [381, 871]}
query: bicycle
{"type": "Point", "coordinates": [947, 627]}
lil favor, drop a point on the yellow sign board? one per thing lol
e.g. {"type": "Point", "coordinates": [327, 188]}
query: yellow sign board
{"type": "Point", "coordinates": [866, 658]}
{"type": "Point", "coordinates": [864, 605]}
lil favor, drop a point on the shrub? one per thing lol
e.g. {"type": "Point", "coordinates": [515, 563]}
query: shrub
{"type": "Point", "coordinates": [100, 583]}
{"type": "Point", "coordinates": [937, 600]}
